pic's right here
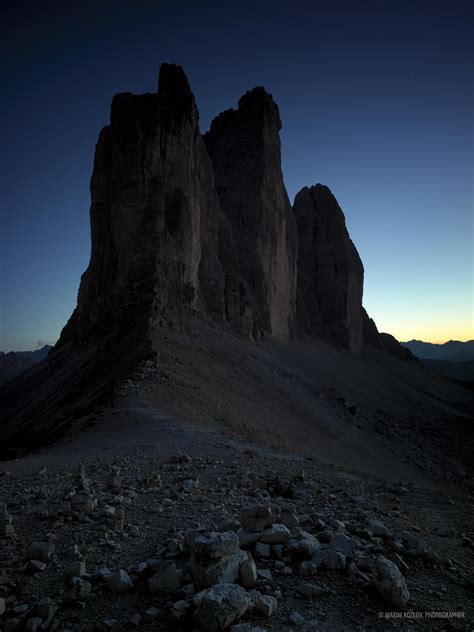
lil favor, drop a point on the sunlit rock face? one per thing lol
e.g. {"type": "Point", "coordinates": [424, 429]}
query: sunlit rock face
{"type": "Point", "coordinates": [330, 272]}
{"type": "Point", "coordinates": [244, 146]}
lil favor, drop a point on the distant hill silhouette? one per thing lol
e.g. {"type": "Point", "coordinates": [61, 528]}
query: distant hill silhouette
{"type": "Point", "coordinates": [453, 359]}
{"type": "Point", "coordinates": [36, 355]}
{"type": "Point", "coordinates": [16, 362]}
{"type": "Point", "coordinates": [452, 351]}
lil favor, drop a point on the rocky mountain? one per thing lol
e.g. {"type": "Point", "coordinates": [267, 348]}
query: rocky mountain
{"type": "Point", "coordinates": [330, 272]}
{"type": "Point", "coordinates": [453, 359]}
{"type": "Point", "coordinates": [17, 362]}
{"type": "Point", "coordinates": [244, 147]}
{"type": "Point", "coordinates": [193, 233]}
{"type": "Point", "coordinates": [452, 351]}
{"type": "Point", "coordinates": [37, 355]}
{"type": "Point", "coordinates": [234, 440]}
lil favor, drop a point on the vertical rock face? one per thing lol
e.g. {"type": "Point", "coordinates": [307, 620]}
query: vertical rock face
{"type": "Point", "coordinates": [155, 218]}
{"type": "Point", "coordinates": [330, 272]}
{"type": "Point", "coordinates": [180, 223]}
{"type": "Point", "coordinates": [370, 331]}
{"type": "Point", "coordinates": [161, 244]}
{"type": "Point", "coordinates": [244, 146]}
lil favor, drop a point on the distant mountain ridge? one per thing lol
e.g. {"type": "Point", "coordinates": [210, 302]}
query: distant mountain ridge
{"type": "Point", "coordinates": [16, 362]}
{"type": "Point", "coordinates": [454, 359]}
{"type": "Point", "coordinates": [451, 351]}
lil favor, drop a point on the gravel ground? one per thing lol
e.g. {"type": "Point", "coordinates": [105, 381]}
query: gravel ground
{"type": "Point", "coordinates": [143, 498]}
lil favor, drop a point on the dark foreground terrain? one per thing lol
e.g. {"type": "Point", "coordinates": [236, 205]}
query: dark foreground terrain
{"type": "Point", "coordinates": [231, 443]}
{"type": "Point", "coordinates": [102, 520]}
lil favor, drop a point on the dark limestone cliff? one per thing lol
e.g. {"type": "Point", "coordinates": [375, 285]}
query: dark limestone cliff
{"type": "Point", "coordinates": [186, 228]}
{"type": "Point", "coordinates": [330, 272]}
{"type": "Point", "coordinates": [244, 146]}
{"type": "Point", "coordinates": [155, 218]}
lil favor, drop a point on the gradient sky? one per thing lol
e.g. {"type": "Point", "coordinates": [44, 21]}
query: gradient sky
{"type": "Point", "coordinates": [376, 100]}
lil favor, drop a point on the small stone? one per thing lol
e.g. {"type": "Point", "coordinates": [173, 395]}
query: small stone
{"type": "Point", "coordinates": [80, 589]}
{"type": "Point", "coordinates": [21, 609]}
{"type": "Point", "coordinates": [165, 581]}
{"type": "Point", "coordinates": [248, 573]}
{"type": "Point", "coordinates": [277, 534]}
{"type": "Point", "coordinates": [41, 551]}
{"type": "Point", "coordinates": [265, 573]}
{"type": "Point", "coordinates": [377, 528]}
{"type": "Point", "coordinates": [262, 550]}
{"type": "Point", "coordinates": [264, 604]}
{"type": "Point", "coordinates": [391, 583]}
{"type": "Point", "coordinates": [247, 538]}
{"type": "Point", "coordinates": [119, 582]}
{"type": "Point", "coordinates": [135, 619]}
{"type": "Point", "coordinates": [337, 525]}
{"type": "Point", "coordinates": [296, 619]}
{"type": "Point", "coordinates": [304, 545]}
{"type": "Point", "coordinates": [189, 485]}
{"type": "Point", "coordinates": [150, 615]}
{"type": "Point", "coordinates": [215, 545]}
{"type": "Point", "coordinates": [103, 572]}
{"type": "Point", "coordinates": [83, 502]}
{"type": "Point", "coordinates": [308, 569]}
{"type": "Point", "coordinates": [33, 624]}
{"type": "Point", "coordinates": [220, 606]}
{"type": "Point", "coordinates": [343, 544]}
{"type": "Point", "coordinates": [256, 517]}
{"type": "Point", "coordinates": [46, 608]}
{"type": "Point", "coordinates": [289, 519]}
{"type": "Point", "coordinates": [180, 608]}
{"type": "Point", "coordinates": [329, 559]}
{"type": "Point", "coordinates": [225, 570]}
{"type": "Point", "coordinates": [325, 536]}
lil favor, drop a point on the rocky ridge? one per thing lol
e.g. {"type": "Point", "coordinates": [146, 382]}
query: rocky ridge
{"type": "Point", "coordinates": [182, 223]}
{"type": "Point", "coordinates": [187, 227]}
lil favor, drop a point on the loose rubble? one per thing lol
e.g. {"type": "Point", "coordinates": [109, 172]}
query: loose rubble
{"type": "Point", "coordinates": [128, 545]}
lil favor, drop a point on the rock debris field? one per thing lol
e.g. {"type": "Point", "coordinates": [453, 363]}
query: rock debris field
{"type": "Point", "coordinates": [230, 540]}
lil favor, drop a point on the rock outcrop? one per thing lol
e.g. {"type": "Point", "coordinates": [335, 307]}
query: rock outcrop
{"type": "Point", "coordinates": [155, 218]}
{"type": "Point", "coordinates": [161, 244]}
{"type": "Point", "coordinates": [244, 146]}
{"type": "Point", "coordinates": [330, 272]}
{"type": "Point", "coordinates": [186, 229]}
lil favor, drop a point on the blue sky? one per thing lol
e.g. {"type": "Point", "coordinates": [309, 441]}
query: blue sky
{"type": "Point", "coordinates": [376, 100]}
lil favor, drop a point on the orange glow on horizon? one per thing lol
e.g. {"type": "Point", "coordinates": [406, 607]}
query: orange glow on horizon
{"type": "Point", "coordinates": [435, 332]}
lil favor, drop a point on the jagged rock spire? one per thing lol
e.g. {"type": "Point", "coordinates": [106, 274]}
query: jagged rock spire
{"type": "Point", "coordinates": [244, 146]}
{"type": "Point", "coordinates": [330, 272]}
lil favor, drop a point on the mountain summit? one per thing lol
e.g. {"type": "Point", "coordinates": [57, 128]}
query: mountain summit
{"type": "Point", "coordinates": [189, 229]}
{"type": "Point", "coordinates": [186, 223]}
